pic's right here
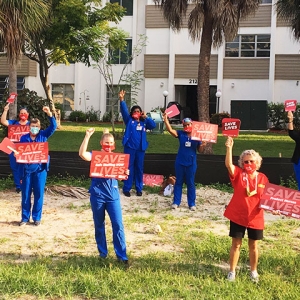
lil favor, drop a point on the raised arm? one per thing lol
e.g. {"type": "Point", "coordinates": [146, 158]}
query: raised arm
{"type": "Point", "coordinates": [172, 131]}
{"type": "Point", "coordinates": [53, 125]}
{"type": "Point", "coordinates": [228, 158]}
{"type": "Point", "coordinates": [4, 115]}
{"type": "Point", "coordinates": [291, 118]}
{"type": "Point", "coordinates": [83, 153]}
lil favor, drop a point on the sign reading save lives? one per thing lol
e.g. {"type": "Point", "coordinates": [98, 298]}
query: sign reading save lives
{"type": "Point", "coordinates": [206, 132]}
{"type": "Point", "coordinates": [109, 165]}
{"type": "Point", "coordinates": [16, 131]}
{"type": "Point", "coordinates": [286, 200]}
{"type": "Point", "coordinates": [230, 127]}
{"type": "Point", "coordinates": [32, 153]}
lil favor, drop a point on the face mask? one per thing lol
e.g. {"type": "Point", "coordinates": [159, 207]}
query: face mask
{"type": "Point", "coordinates": [34, 130]}
{"type": "Point", "coordinates": [23, 117]}
{"type": "Point", "coordinates": [188, 129]}
{"type": "Point", "coordinates": [108, 148]}
{"type": "Point", "coordinates": [136, 115]}
{"type": "Point", "coordinates": [250, 168]}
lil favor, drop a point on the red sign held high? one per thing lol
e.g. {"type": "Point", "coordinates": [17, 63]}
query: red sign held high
{"type": "Point", "coordinates": [230, 127]}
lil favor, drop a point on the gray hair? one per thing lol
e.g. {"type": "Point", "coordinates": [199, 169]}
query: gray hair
{"type": "Point", "coordinates": [257, 157]}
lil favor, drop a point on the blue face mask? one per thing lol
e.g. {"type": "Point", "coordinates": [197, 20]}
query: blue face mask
{"type": "Point", "coordinates": [34, 130]}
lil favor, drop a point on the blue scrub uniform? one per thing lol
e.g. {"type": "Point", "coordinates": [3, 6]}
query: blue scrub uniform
{"type": "Point", "coordinates": [34, 177]}
{"type": "Point", "coordinates": [105, 197]}
{"type": "Point", "coordinates": [135, 144]}
{"type": "Point", "coordinates": [12, 160]}
{"type": "Point", "coordinates": [185, 168]}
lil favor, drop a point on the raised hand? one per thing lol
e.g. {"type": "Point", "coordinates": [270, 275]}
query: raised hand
{"type": "Point", "coordinates": [122, 95]}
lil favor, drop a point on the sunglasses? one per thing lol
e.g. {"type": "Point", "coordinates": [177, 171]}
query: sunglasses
{"type": "Point", "coordinates": [249, 161]}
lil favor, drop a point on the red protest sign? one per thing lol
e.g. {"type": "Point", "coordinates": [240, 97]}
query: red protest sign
{"type": "Point", "coordinates": [153, 180]}
{"type": "Point", "coordinates": [11, 98]}
{"type": "Point", "coordinates": [286, 200]}
{"type": "Point", "coordinates": [205, 132]}
{"type": "Point", "coordinates": [32, 153]}
{"type": "Point", "coordinates": [172, 111]}
{"type": "Point", "coordinates": [7, 146]}
{"type": "Point", "coordinates": [290, 105]}
{"type": "Point", "coordinates": [109, 165]}
{"type": "Point", "coordinates": [16, 131]}
{"type": "Point", "coordinates": [231, 127]}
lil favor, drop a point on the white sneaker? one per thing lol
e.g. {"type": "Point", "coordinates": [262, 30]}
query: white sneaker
{"type": "Point", "coordinates": [254, 276]}
{"type": "Point", "coordinates": [193, 208]}
{"type": "Point", "coordinates": [174, 206]}
{"type": "Point", "coordinates": [231, 276]}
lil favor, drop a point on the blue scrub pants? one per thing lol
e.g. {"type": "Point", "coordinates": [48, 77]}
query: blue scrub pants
{"type": "Point", "coordinates": [297, 173]}
{"type": "Point", "coordinates": [33, 182]}
{"type": "Point", "coordinates": [14, 167]}
{"type": "Point", "coordinates": [186, 173]}
{"type": "Point", "coordinates": [114, 210]}
{"type": "Point", "coordinates": [136, 169]}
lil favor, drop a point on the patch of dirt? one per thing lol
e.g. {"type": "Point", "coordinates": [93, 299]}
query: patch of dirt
{"type": "Point", "coordinates": [67, 226]}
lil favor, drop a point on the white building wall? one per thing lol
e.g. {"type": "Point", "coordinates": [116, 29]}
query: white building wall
{"type": "Point", "coordinates": [165, 41]}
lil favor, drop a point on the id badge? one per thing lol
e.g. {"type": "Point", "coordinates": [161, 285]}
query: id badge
{"type": "Point", "coordinates": [139, 127]}
{"type": "Point", "coordinates": [188, 144]}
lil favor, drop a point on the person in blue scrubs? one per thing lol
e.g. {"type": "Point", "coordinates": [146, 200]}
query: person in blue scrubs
{"type": "Point", "coordinates": [135, 143]}
{"type": "Point", "coordinates": [23, 120]}
{"type": "Point", "coordinates": [185, 163]}
{"type": "Point", "coordinates": [295, 135]}
{"type": "Point", "coordinates": [34, 175]}
{"type": "Point", "coordinates": [104, 196]}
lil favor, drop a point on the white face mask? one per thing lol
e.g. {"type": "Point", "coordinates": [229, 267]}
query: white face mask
{"type": "Point", "coordinates": [34, 130]}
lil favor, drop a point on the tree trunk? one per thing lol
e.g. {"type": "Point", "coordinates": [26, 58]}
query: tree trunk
{"type": "Point", "coordinates": [13, 113]}
{"type": "Point", "coordinates": [204, 74]}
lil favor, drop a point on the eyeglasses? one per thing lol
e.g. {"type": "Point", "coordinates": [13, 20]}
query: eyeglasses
{"type": "Point", "coordinates": [249, 161]}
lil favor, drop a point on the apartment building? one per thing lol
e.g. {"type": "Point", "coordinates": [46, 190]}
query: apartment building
{"type": "Point", "coordinates": [261, 65]}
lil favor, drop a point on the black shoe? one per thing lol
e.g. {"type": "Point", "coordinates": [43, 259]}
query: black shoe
{"type": "Point", "coordinates": [127, 194]}
{"type": "Point", "coordinates": [18, 190]}
{"type": "Point", "coordinates": [139, 194]}
{"type": "Point", "coordinates": [36, 223]}
{"type": "Point", "coordinates": [125, 263]}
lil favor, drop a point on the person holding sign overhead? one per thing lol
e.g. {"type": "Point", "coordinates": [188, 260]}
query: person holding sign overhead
{"type": "Point", "coordinates": [34, 175]}
{"type": "Point", "coordinates": [295, 135]}
{"type": "Point", "coordinates": [104, 196]}
{"type": "Point", "coordinates": [243, 209]}
{"type": "Point", "coordinates": [135, 143]}
{"type": "Point", "coordinates": [186, 162]}
{"type": "Point", "coordinates": [23, 120]}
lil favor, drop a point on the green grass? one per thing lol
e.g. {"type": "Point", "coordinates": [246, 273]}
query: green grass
{"type": "Point", "coordinates": [194, 272]}
{"type": "Point", "coordinates": [71, 134]}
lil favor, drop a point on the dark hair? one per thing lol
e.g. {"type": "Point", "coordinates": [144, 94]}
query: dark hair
{"type": "Point", "coordinates": [134, 107]}
{"type": "Point", "coordinates": [35, 121]}
{"type": "Point", "coordinates": [24, 109]}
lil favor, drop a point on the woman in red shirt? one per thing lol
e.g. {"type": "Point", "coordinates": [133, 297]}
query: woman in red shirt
{"type": "Point", "coordinates": [243, 209]}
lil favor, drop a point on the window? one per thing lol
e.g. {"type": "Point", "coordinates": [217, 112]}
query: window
{"type": "Point", "coordinates": [266, 1]}
{"type": "Point", "coordinates": [128, 4]}
{"type": "Point", "coordinates": [249, 46]}
{"type": "Point", "coordinates": [119, 57]}
{"type": "Point", "coordinates": [64, 94]}
{"type": "Point", "coordinates": [110, 100]}
{"type": "Point", "coordinates": [4, 84]}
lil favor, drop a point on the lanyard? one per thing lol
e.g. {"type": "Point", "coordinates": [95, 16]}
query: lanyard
{"type": "Point", "coordinates": [254, 192]}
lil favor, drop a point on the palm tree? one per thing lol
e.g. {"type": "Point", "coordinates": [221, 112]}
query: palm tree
{"type": "Point", "coordinates": [211, 22]}
{"type": "Point", "coordinates": [17, 18]}
{"type": "Point", "coordinates": [289, 10]}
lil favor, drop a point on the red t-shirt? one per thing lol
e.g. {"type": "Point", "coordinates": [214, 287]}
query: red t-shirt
{"type": "Point", "coordinates": [242, 209]}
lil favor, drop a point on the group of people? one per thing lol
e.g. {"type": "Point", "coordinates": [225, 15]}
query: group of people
{"type": "Point", "coordinates": [243, 209]}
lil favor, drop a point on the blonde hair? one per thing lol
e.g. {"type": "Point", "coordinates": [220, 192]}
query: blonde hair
{"type": "Point", "coordinates": [106, 134]}
{"type": "Point", "coordinates": [257, 157]}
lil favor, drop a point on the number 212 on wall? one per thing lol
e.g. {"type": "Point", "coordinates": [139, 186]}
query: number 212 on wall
{"type": "Point", "coordinates": [193, 81]}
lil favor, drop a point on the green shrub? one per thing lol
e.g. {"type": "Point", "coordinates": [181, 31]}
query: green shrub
{"type": "Point", "coordinates": [93, 115]}
{"type": "Point", "coordinates": [217, 118]}
{"type": "Point", "coordinates": [62, 112]}
{"type": "Point", "coordinates": [33, 103]}
{"type": "Point", "coordinates": [107, 116]}
{"type": "Point", "coordinates": [77, 116]}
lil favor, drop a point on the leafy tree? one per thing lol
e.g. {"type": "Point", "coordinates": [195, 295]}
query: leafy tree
{"type": "Point", "coordinates": [211, 22]}
{"type": "Point", "coordinates": [19, 18]}
{"type": "Point", "coordinates": [289, 10]}
{"type": "Point", "coordinates": [129, 82]}
{"type": "Point", "coordinates": [79, 31]}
